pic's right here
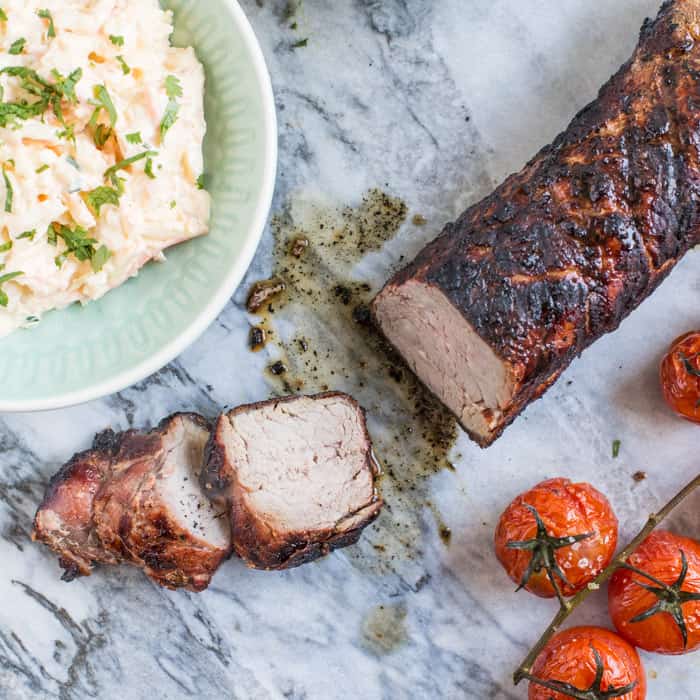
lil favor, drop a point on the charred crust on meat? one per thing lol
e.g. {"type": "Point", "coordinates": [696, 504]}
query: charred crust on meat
{"type": "Point", "coordinates": [107, 441]}
{"type": "Point", "coordinates": [157, 562]}
{"type": "Point", "coordinates": [71, 570]}
{"type": "Point", "coordinates": [215, 478]}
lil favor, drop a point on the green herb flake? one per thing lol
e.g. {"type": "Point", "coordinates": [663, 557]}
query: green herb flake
{"type": "Point", "coordinates": [200, 182]}
{"type": "Point", "coordinates": [173, 89]}
{"type": "Point", "coordinates": [42, 169]}
{"type": "Point", "coordinates": [148, 169]}
{"type": "Point", "coordinates": [134, 138]}
{"type": "Point", "coordinates": [7, 278]}
{"type": "Point", "coordinates": [9, 192]}
{"type": "Point", "coordinates": [48, 95]}
{"type": "Point", "coordinates": [617, 444]}
{"type": "Point", "coordinates": [78, 243]}
{"type": "Point", "coordinates": [125, 67]}
{"type": "Point", "coordinates": [173, 204]}
{"type": "Point", "coordinates": [5, 247]}
{"type": "Point", "coordinates": [46, 14]}
{"type": "Point", "coordinates": [3, 15]}
{"type": "Point", "coordinates": [27, 234]}
{"type": "Point", "coordinates": [100, 258]}
{"type": "Point", "coordinates": [116, 40]}
{"type": "Point", "coordinates": [17, 47]}
{"type": "Point", "coordinates": [301, 44]}
{"type": "Point", "coordinates": [101, 135]}
{"type": "Point", "coordinates": [65, 87]}
{"type": "Point", "coordinates": [111, 173]}
{"type": "Point", "coordinates": [102, 101]}
{"type": "Point", "coordinates": [68, 133]}
{"type": "Point", "coordinates": [101, 196]}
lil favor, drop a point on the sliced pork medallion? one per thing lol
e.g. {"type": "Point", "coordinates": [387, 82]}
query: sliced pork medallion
{"type": "Point", "coordinates": [65, 520]}
{"type": "Point", "coordinates": [298, 475]}
{"type": "Point", "coordinates": [152, 511]}
{"type": "Point", "coordinates": [492, 312]}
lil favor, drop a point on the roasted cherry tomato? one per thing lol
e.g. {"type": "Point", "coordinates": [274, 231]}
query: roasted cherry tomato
{"type": "Point", "coordinates": [588, 662]}
{"type": "Point", "coordinates": [656, 606]}
{"type": "Point", "coordinates": [680, 376]}
{"type": "Point", "coordinates": [556, 537]}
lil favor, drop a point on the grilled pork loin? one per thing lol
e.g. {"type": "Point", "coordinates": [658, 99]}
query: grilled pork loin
{"type": "Point", "coordinates": [491, 313]}
{"type": "Point", "coordinates": [136, 497]}
{"type": "Point", "coordinates": [298, 476]}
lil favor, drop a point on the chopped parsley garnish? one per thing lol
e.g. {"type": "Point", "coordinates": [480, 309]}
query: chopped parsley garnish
{"type": "Point", "coordinates": [301, 44]}
{"type": "Point", "coordinates": [27, 234]}
{"type": "Point", "coordinates": [42, 169]}
{"type": "Point", "coordinates": [134, 138]}
{"type": "Point", "coordinates": [101, 135]}
{"type": "Point", "coordinates": [200, 182]}
{"type": "Point", "coordinates": [3, 15]}
{"type": "Point", "coordinates": [17, 47]}
{"type": "Point", "coordinates": [125, 68]}
{"type": "Point", "coordinates": [5, 247]}
{"type": "Point", "coordinates": [173, 204]}
{"type": "Point", "coordinates": [148, 168]}
{"type": "Point", "coordinates": [100, 258]}
{"type": "Point", "coordinates": [6, 278]}
{"type": "Point", "coordinates": [100, 196]}
{"type": "Point", "coordinates": [80, 245]}
{"type": "Point", "coordinates": [9, 192]}
{"type": "Point", "coordinates": [102, 101]}
{"type": "Point", "coordinates": [49, 95]}
{"type": "Point", "coordinates": [77, 241]}
{"type": "Point", "coordinates": [66, 86]}
{"type": "Point", "coordinates": [173, 89]}
{"type": "Point", "coordinates": [30, 81]}
{"type": "Point", "coordinates": [111, 173]}
{"type": "Point", "coordinates": [46, 14]}
{"type": "Point", "coordinates": [116, 40]}
{"type": "Point", "coordinates": [617, 444]}
{"type": "Point", "coordinates": [68, 133]}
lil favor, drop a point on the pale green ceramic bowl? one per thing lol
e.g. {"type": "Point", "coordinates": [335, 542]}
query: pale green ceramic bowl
{"type": "Point", "coordinates": [80, 354]}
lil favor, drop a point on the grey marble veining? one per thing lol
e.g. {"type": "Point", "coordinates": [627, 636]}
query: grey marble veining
{"type": "Point", "coordinates": [435, 102]}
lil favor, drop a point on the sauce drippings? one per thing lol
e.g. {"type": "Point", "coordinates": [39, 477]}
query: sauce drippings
{"type": "Point", "coordinates": [326, 340]}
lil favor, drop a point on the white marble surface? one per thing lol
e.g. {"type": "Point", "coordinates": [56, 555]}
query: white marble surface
{"type": "Point", "coordinates": [436, 102]}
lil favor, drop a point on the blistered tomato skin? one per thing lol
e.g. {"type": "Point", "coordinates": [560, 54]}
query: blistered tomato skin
{"type": "Point", "coordinates": [660, 556]}
{"type": "Point", "coordinates": [680, 376]}
{"type": "Point", "coordinates": [566, 509]}
{"type": "Point", "coordinates": [570, 657]}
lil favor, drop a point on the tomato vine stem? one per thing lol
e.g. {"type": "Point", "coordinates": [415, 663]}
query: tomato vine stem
{"type": "Point", "coordinates": [524, 671]}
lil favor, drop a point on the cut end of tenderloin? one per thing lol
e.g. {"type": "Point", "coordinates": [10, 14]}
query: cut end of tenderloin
{"type": "Point", "coordinates": [443, 349]}
{"type": "Point", "coordinates": [152, 511]}
{"type": "Point", "coordinates": [298, 475]}
{"type": "Point", "coordinates": [65, 518]}
{"type": "Point", "coordinates": [136, 497]}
